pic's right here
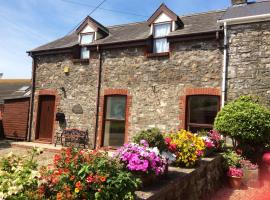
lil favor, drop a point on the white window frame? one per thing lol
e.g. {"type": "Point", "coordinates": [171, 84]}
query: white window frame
{"type": "Point", "coordinates": [86, 34]}
{"type": "Point", "coordinates": [155, 38]}
{"type": "Point", "coordinates": [86, 51]}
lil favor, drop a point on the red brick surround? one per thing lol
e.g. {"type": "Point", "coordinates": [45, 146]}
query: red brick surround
{"type": "Point", "coordinates": [190, 92]}
{"type": "Point", "coordinates": [51, 92]}
{"type": "Point", "coordinates": [112, 92]}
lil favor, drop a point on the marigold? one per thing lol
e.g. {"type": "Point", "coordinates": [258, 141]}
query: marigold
{"type": "Point", "coordinates": [76, 190]}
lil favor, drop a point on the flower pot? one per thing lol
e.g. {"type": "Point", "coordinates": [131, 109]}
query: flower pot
{"type": "Point", "coordinates": [251, 178]}
{"type": "Point", "coordinates": [235, 182]}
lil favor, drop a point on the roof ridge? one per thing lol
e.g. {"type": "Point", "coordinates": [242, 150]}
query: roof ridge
{"type": "Point", "coordinates": [203, 13]}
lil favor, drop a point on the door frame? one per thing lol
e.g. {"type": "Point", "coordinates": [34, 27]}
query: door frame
{"type": "Point", "coordinates": [39, 93]}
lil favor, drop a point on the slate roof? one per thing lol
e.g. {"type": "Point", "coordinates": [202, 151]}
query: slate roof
{"type": "Point", "coordinates": [250, 9]}
{"type": "Point", "coordinates": [197, 23]}
{"type": "Point", "coordinates": [10, 88]}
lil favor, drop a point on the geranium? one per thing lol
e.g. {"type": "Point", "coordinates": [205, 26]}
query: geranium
{"type": "Point", "coordinates": [141, 159]}
{"type": "Point", "coordinates": [216, 138]}
{"type": "Point", "coordinates": [187, 147]}
{"type": "Point", "coordinates": [235, 172]}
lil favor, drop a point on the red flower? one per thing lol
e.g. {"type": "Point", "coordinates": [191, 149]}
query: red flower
{"type": "Point", "coordinates": [57, 158]}
{"type": "Point", "coordinates": [90, 179]}
{"type": "Point", "coordinates": [168, 140]}
{"type": "Point", "coordinates": [102, 178]}
{"type": "Point", "coordinates": [72, 178]}
{"type": "Point", "coordinates": [78, 185]}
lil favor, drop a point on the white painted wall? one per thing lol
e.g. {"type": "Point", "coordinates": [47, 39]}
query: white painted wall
{"type": "Point", "coordinates": [88, 29]}
{"type": "Point", "coordinates": [162, 18]}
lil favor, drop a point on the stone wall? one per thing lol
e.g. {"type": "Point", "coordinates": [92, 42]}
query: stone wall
{"type": "Point", "coordinates": [249, 61]}
{"type": "Point", "coordinates": [77, 89]}
{"type": "Point", "coordinates": [188, 184]}
{"type": "Point", "coordinates": [156, 84]}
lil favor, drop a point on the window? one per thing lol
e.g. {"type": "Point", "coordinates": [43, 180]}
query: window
{"type": "Point", "coordinates": [115, 120]}
{"type": "Point", "coordinates": [161, 31]}
{"type": "Point", "coordinates": [85, 53]}
{"type": "Point", "coordinates": [201, 112]}
{"type": "Point", "coordinates": [86, 38]}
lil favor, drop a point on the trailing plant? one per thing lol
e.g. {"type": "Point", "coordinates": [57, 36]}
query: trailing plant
{"type": "Point", "coordinates": [245, 120]}
{"type": "Point", "coordinates": [187, 147]}
{"type": "Point", "coordinates": [86, 174]}
{"type": "Point", "coordinates": [18, 175]}
{"type": "Point", "coordinates": [154, 138]}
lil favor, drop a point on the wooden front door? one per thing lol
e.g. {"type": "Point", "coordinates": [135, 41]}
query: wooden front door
{"type": "Point", "coordinates": [45, 118]}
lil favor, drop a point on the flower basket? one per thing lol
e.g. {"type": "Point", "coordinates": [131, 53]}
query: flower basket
{"type": "Point", "coordinates": [235, 182]}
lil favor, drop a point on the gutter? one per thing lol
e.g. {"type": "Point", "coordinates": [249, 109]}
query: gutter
{"type": "Point", "coordinates": [98, 95]}
{"type": "Point", "coordinates": [247, 19]}
{"type": "Point", "coordinates": [32, 97]}
{"type": "Point", "coordinates": [225, 66]}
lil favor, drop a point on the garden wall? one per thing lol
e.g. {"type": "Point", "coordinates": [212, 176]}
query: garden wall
{"type": "Point", "coordinates": [187, 184]}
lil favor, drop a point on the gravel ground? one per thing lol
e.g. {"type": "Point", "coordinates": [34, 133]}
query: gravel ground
{"type": "Point", "coordinates": [43, 159]}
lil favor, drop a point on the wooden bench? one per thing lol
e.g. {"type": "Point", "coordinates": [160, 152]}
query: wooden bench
{"type": "Point", "coordinates": [73, 136]}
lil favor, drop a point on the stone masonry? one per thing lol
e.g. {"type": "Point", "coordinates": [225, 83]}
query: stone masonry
{"type": "Point", "coordinates": [249, 61]}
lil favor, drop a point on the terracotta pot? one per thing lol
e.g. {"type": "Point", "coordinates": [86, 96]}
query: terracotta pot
{"type": "Point", "coordinates": [235, 182]}
{"type": "Point", "coordinates": [251, 177]}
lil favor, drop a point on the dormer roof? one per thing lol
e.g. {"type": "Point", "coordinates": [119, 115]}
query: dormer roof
{"type": "Point", "coordinates": [163, 9]}
{"type": "Point", "coordinates": [89, 21]}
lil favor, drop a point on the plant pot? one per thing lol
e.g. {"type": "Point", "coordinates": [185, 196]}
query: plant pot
{"type": "Point", "coordinates": [235, 182]}
{"type": "Point", "coordinates": [251, 178]}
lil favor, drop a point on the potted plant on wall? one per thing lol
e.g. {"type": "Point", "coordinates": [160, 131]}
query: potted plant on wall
{"type": "Point", "coordinates": [235, 177]}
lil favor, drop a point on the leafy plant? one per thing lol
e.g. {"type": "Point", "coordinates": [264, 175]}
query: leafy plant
{"type": "Point", "coordinates": [245, 120]}
{"type": "Point", "coordinates": [232, 159]}
{"type": "Point", "coordinates": [86, 174]}
{"type": "Point", "coordinates": [154, 138]}
{"type": "Point", "coordinates": [187, 147]}
{"type": "Point", "coordinates": [18, 175]}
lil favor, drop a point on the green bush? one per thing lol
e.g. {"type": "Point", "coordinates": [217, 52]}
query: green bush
{"type": "Point", "coordinates": [154, 138]}
{"type": "Point", "coordinates": [232, 159]}
{"type": "Point", "coordinates": [245, 120]}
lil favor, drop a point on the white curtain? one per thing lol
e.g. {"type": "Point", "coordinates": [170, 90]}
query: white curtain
{"type": "Point", "coordinates": [162, 30]}
{"type": "Point", "coordinates": [86, 38]}
{"type": "Point", "coordinates": [84, 53]}
{"type": "Point", "coordinates": [161, 45]}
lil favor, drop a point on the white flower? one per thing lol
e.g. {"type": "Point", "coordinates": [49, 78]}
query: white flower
{"type": "Point", "coordinates": [170, 157]}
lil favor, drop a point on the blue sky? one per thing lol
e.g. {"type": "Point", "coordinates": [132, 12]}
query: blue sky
{"type": "Point", "coordinates": [26, 24]}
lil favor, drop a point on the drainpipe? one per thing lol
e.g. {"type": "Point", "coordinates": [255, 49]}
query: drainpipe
{"type": "Point", "coordinates": [224, 69]}
{"type": "Point", "coordinates": [98, 94]}
{"type": "Point", "coordinates": [32, 97]}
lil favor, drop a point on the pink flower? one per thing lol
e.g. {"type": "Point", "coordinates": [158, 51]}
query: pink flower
{"type": "Point", "coordinates": [235, 172]}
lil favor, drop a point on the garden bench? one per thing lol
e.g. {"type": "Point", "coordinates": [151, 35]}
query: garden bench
{"type": "Point", "coordinates": [72, 136]}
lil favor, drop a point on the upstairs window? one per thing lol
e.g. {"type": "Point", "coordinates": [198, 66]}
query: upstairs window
{"type": "Point", "coordinates": [161, 31]}
{"type": "Point", "coordinates": [86, 38]}
{"type": "Point", "coordinates": [85, 54]}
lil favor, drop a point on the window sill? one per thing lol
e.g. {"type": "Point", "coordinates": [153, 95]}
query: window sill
{"type": "Point", "coordinates": [154, 55]}
{"type": "Point", "coordinates": [81, 61]}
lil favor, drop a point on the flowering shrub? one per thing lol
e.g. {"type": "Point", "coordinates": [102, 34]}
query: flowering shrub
{"type": "Point", "coordinates": [235, 172]}
{"type": "Point", "coordinates": [246, 164]}
{"type": "Point", "coordinates": [86, 174]}
{"type": "Point", "coordinates": [213, 141]}
{"type": "Point", "coordinates": [18, 175]}
{"type": "Point", "coordinates": [141, 159]}
{"type": "Point", "coordinates": [187, 147]}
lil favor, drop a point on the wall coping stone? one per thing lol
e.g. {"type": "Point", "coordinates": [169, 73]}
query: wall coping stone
{"type": "Point", "coordinates": [183, 183]}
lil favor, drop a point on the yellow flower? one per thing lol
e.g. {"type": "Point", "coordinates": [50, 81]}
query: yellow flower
{"type": "Point", "coordinates": [77, 190]}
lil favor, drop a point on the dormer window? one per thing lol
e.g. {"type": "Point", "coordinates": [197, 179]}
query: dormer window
{"type": "Point", "coordinates": [86, 38]}
{"type": "Point", "coordinates": [160, 33]}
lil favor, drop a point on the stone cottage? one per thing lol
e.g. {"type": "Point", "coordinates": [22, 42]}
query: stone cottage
{"type": "Point", "coordinates": [168, 72]}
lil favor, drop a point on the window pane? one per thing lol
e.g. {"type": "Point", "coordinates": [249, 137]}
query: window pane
{"type": "Point", "coordinates": [161, 45]}
{"type": "Point", "coordinates": [162, 30]}
{"type": "Point", "coordinates": [114, 133]}
{"type": "Point", "coordinates": [203, 109]}
{"type": "Point", "coordinates": [84, 53]}
{"type": "Point", "coordinates": [116, 108]}
{"type": "Point", "coordinates": [86, 38]}
{"type": "Point", "coordinates": [193, 129]}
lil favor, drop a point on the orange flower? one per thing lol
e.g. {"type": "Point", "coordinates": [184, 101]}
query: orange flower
{"type": "Point", "coordinates": [102, 178]}
{"type": "Point", "coordinates": [72, 178]}
{"type": "Point", "coordinates": [56, 159]}
{"type": "Point", "coordinates": [78, 185]}
{"type": "Point", "coordinates": [59, 196]}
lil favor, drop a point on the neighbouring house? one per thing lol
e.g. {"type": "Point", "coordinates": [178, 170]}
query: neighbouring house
{"type": "Point", "coordinates": [168, 72]}
{"type": "Point", "coordinates": [14, 119]}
